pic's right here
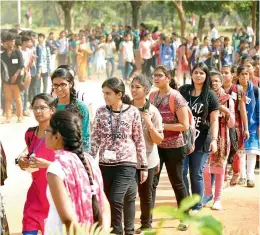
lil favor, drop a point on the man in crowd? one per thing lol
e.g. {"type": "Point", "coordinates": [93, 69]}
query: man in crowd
{"type": "Point", "coordinates": [13, 59]}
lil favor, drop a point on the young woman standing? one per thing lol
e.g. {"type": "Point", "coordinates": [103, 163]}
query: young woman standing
{"type": "Point", "coordinates": [36, 155]}
{"type": "Point", "coordinates": [75, 186]}
{"type": "Point", "coordinates": [171, 150]}
{"type": "Point", "coordinates": [205, 109]}
{"type": "Point", "coordinates": [109, 48]}
{"type": "Point", "coordinates": [252, 145]}
{"type": "Point", "coordinates": [216, 163]}
{"type": "Point", "coordinates": [153, 135]}
{"type": "Point", "coordinates": [63, 85]}
{"type": "Point", "coordinates": [83, 51]}
{"type": "Point", "coordinates": [241, 124]}
{"type": "Point", "coordinates": [118, 136]}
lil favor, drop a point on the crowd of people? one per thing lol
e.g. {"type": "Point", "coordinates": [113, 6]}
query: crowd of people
{"type": "Point", "coordinates": [92, 174]}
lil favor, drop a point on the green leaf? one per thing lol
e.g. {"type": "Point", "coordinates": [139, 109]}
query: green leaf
{"type": "Point", "coordinates": [188, 202]}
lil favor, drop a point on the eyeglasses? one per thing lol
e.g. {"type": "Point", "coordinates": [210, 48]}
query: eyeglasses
{"type": "Point", "coordinates": [47, 130]}
{"type": "Point", "coordinates": [158, 75]}
{"type": "Point", "coordinates": [40, 108]}
{"type": "Point", "coordinates": [62, 86]}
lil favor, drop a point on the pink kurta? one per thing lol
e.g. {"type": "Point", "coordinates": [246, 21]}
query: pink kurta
{"type": "Point", "coordinates": [217, 161]}
{"type": "Point", "coordinates": [36, 207]}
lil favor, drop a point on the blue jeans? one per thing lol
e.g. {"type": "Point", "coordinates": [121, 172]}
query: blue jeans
{"type": "Point", "coordinates": [112, 61]}
{"type": "Point", "coordinates": [35, 88]}
{"type": "Point", "coordinates": [35, 232]}
{"type": "Point", "coordinates": [195, 163]}
{"type": "Point", "coordinates": [25, 98]}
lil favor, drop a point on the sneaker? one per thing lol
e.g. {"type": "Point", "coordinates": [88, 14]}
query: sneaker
{"type": "Point", "coordinates": [183, 227]}
{"type": "Point", "coordinates": [206, 199]}
{"type": "Point", "coordinates": [217, 206]}
{"type": "Point", "coordinates": [242, 181]}
{"type": "Point", "coordinates": [19, 120]}
{"type": "Point", "coordinates": [141, 230]}
{"type": "Point", "coordinates": [250, 184]}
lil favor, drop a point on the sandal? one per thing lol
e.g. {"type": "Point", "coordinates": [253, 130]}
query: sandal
{"type": "Point", "coordinates": [6, 121]}
{"type": "Point", "coordinates": [235, 179]}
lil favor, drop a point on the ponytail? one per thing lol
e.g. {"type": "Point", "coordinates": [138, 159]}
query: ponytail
{"type": "Point", "coordinates": [173, 84]}
{"type": "Point", "coordinates": [126, 99]}
{"type": "Point", "coordinates": [69, 126]}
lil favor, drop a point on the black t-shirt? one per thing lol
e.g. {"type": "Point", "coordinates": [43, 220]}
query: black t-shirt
{"type": "Point", "coordinates": [13, 63]}
{"type": "Point", "coordinates": [202, 124]}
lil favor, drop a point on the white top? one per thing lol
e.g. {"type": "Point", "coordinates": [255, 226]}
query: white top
{"type": "Point", "coordinates": [129, 51]}
{"type": "Point", "coordinates": [53, 222]}
{"type": "Point", "coordinates": [204, 51]}
{"type": "Point", "coordinates": [250, 33]}
{"type": "Point", "coordinates": [213, 34]}
{"type": "Point", "coordinates": [176, 44]}
{"type": "Point", "coordinates": [26, 56]}
{"type": "Point", "coordinates": [151, 148]}
{"type": "Point", "coordinates": [109, 49]}
{"type": "Point", "coordinates": [63, 45]}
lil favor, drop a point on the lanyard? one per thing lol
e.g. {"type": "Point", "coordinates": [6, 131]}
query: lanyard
{"type": "Point", "coordinates": [114, 135]}
{"type": "Point", "coordinates": [39, 144]}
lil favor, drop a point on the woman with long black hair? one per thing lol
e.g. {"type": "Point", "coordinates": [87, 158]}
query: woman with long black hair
{"type": "Point", "coordinates": [204, 105]}
{"type": "Point", "coordinates": [75, 186]}
{"type": "Point", "coordinates": [174, 111]}
{"type": "Point", "coordinates": [118, 137]}
{"type": "Point", "coordinates": [63, 85]}
{"type": "Point", "coordinates": [37, 155]}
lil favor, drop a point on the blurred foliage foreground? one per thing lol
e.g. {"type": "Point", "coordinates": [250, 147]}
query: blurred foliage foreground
{"type": "Point", "coordinates": [200, 225]}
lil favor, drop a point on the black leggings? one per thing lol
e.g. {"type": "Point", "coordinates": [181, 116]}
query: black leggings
{"type": "Point", "coordinates": [174, 161]}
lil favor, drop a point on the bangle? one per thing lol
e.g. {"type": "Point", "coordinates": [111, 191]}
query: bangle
{"type": "Point", "coordinates": [214, 138]}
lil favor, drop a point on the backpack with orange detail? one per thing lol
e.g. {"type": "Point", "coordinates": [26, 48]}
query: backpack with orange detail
{"type": "Point", "coordinates": [189, 136]}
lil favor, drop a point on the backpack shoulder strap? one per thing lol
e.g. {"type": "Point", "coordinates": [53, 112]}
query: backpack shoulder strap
{"type": "Point", "coordinates": [152, 95]}
{"type": "Point", "coordinates": [171, 101]}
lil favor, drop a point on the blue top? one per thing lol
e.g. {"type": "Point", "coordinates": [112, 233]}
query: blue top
{"type": "Point", "coordinates": [85, 122]}
{"type": "Point", "coordinates": [252, 108]}
{"type": "Point", "coordinates": [167, 55]}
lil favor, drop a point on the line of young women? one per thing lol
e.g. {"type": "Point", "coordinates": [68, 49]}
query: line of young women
{"type": "Point", "coordinates": [126, 137]}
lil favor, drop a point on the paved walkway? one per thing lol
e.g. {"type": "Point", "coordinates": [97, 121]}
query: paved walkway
{"type": "Point", "coordinates": [241, 204]}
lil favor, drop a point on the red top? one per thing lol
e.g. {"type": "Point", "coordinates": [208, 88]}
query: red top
{"type": "Point", "coordinates": [36, 206]}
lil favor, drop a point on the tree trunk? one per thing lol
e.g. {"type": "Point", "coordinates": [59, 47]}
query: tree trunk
{"type": "Point", "coordinates": [163, 20]}
{"type": "Point", "coordinates": [201, 27]}
{"type": "Point", "coordinates": [254, 9]}
{"type": "Point", "coordinates": [136, 5]}
{"type": "Point", "coordinates": [59, 14]}
{"type": "Point", "coordinates": [67, 10]}
{"type": "Point", "coordinates": [181, 15]}
{"type": "Point", "coordinates": [125, 11]}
